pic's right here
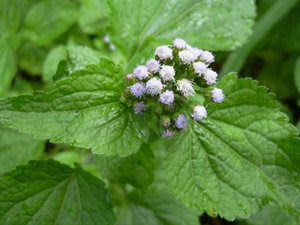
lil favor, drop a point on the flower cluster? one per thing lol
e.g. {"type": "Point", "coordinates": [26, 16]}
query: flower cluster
{"type": "Point", "coordinates": [167, 84]}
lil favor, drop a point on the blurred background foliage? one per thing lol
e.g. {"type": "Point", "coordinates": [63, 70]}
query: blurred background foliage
{"type": "Point", "coordinates": [40, 40]}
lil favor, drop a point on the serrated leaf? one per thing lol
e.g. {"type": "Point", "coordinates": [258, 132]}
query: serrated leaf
{"type": "Point", "coordinates": [211, 24]}
{"type": "Point", "coordinates": [243, 155]}
{"type": "Point", "coordinates": [16, 149]}
{"type": "Point", "coordinates": [82, 110]}
{"type": "Point", "coordinates": [47, 20]}
{"type": "Point", "coordinates": [156, 207]}
{"type": "Point", "coordinates": [51, 193]}
{"type": "Point", "coordinates": [136, 169]}
{"type": "Point", "coordinates": [8, 67]}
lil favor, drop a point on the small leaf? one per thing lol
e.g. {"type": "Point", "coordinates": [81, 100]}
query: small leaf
{"type": "Point", "coordinates": [82, 110]}
{"type": "Point", "coordinates": [297, 74]}
{"type": "Point", "coordinates": [47, 20]}
{"type": "Point", "coordinates": [157, 207]}
{"type": "Point", "coordinates": [243, 155]}
{"type": "Point", "coordinates": [136, 169]}
{"type": "Point", "coordinates": [51, 193]}
{"type": "Point", "coordinates": [16, 149]}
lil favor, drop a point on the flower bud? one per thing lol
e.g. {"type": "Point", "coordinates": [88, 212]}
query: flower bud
{"type": "Point", "coordinates": [137, 90]}
{"type": "Point", "coordinates": [199, 113]}
{"type": "Point", "coordinates": [139, 107]}
{"type": "Point", "coordinates": [153, 65]}
{"type": "Point", "coordinates": [181, 122]}
{"type": "Point", "coordinates": [154, 86]}
{"type": "Point", "coordinates": [185, 87]}
{"type": "Point", "coordinates": [210, 77]}
{"type": "Point", "coordinates": [164, 52]}
{"type": "Point", "coordinates": [141, 72]}
{"type": "Point", "coordinates": [167, 73]}
{"type": "Point", "coordinates": [217, 95]}
{"type": "Point", "coordinates": [179, 43]}
{"type": "Point", "coordinates": [167, 97]}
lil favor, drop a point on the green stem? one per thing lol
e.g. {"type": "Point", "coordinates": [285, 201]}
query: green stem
{"type": "Point", "coordinates": [236, 59]}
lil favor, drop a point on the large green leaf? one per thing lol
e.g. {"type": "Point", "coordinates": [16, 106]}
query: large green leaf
{"type": "Point", "coordinates": [17, 148]}
{"type": "Point", "coordinates": [243, 155]}
{"type": "Point", "coordinates": [212, 24]}
{"type": "Point", "coordinates": [10, 15]}
{"type": "Point", "coordinates": [8, 65]}
{"type": "Point", "coordinates": [156, 207]}
{"type": "Point", "coordinates": [82, 110]}
{"type": "Point", "coordinates": [47, 193]}
{"type": "Point", "coordinates": [49, 19]}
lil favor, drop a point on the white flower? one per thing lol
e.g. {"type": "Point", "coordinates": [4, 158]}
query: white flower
{"type": "Point", "coordinates": [112, 47]}
{"type": "Point", "coordinates": [210, 77]}
{"type": "Point", "coordinates": [185, 87]}
{"type": "Point", "coordinates": [167, 73]}
{"type": "Point", "coordinates": [153, 65]}
{"type": "Point", "coordinates": [207, 56]}
{"type": "Point", "coordinates": [154, 86]}
{"type": "Point", "coordinates": [196, 52]}
{"type": "Point", "coordinates": [167, 97]}
{"type": "Point", "coordinates": [199, 68]}
{"type": "Point", "coordinates": [179, 43]}
{"type": "Point", "coordinates": [164, 52]}
{"type": "Point", "coordinates": [106, 39]}
{"type": "Point", "coordinates": [186, 56]}
{"type": "Point", "coordinates": [217, 95]}
{"type": "Point", "coordinates": [141, 72]}
{"type": "Point", "coordinates": [199, 113]}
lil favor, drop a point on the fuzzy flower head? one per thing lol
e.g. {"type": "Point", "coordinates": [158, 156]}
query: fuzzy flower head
{"type": "Point", "coordinates": [164, 87]}
{"type": "Point", "coordinates": [137, 90]}
{"type": "Point", "coordinates": [167, 97]}
{"type": "Point", "coordinates": [210, 77]}
{"type": "Point", "coordinates": [179, 43]}
{"type": "Point", "coordinates": [199, 68]}
{"type": "Point", "coordinates": [217, 95]}
{"type": "Point", "coordinates": [141, 72]}
{"type": "Point", "coordinates": [181, 122]}
{"type": "Point", "coordinates": [139, 107]}
{"type": "Point", "coordinates": [186, 56]}
{"type": "Point", "coordinates": [207, 57]}
{"type": "Point", "coordinates": [154, 86]}
{"type": "Point", "coordinates": [199, 113]}
{"type": "Point", "coordinates": [153, 65]}
{"type": "Point", "coordinates": [164, 52]}
{"type": "Point", "coordinates": [167, 73]}
{"type": "Point", "coordinates": [185, 87]}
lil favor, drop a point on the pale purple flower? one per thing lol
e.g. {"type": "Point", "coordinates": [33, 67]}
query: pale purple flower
{"type": "Point", "coordinates": [179, 43]}
{"type": "Point", "coordinates": [137, 90]}
{"type": "Point", "coordinates": [207, 56]}
{"type": "Point", "coordinates": [185, 87]}
{"type": "Point", "coordinates": [181, 121]}
{"type": "Point", "coordinates": [186, 56]}
{"type": "Point", "coordinates": [199, 113]}
{"type": "Point", "coordinates": [167, 97]}
{"type": "Point", "coordinates": [217, 95]}
{"type": "Point", "coordinates": [164, 52]}
{"type": "Point", "coordinates": [168, 133]}
{"type": "Point", "coordinates": [196, 52]}
{"type": "Point", "coordinates": [154, 86]}
{"type": "Point", "coordinates": [210, 77]}
{"type": "Point", "coordinates": [153, 65]}
{"type": "Point", "coordinates": [139, 107]}
{"type": "Point", "coordinates": [141, 72]}
{"type": "Point", "coordinates": [167, 73]}
{"type": "Point", "coordinates": [199, 68]}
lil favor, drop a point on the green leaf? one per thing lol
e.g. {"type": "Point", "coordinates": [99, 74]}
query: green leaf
{"type": "Point", "coordinates": [10, 15]}
{"type": "Point", "coordinates": [47, 20]}
{"type": "Point", "coordinates": [16, 149]}
{"type": "Point", "coordinates": [243, 155]}
{"type": "Point", "coordinates": [51, 193]}
{"type": "Point", "coordinates": [157, 207]}
{"type": "Point", "coordinates": [92, 16]}
{"type": "Point", "coordinates": [136, 169]}
{"type": "Point", "coordinates": [269, 215]}
{"type": "Point", "coordinates": [8, 67]}
{"type": "Point", "coordinates": [211, 24]}
{"type": "Point", "coordinates": [82, 110]}
{"type": "Point", "coordinates": [297, 74]}
{"type": "Point", "coordinates": [50, 64]}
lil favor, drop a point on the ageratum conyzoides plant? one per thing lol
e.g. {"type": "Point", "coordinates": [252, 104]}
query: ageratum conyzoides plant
{"type": "Point", "coordinates": [133, 89]}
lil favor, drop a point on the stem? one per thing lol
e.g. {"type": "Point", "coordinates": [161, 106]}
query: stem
{"type": "Point", "coordinates": [237, 59]}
